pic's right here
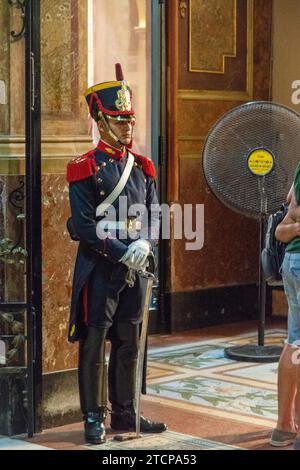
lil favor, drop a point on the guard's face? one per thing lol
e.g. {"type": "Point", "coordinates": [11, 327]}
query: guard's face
{"type": "Point", "coordinates": [122, 130]}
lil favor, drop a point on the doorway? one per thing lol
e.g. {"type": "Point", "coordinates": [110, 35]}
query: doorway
{"type": "Point", "coordinates": [44, 71]}
{"type": "Point", "coordinates": [139, 46]}
{"type": "Point", "coordinates": [20, 223]}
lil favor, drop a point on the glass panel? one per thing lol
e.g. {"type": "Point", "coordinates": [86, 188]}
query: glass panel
{"type": "Point", "coordinates": [12, 269]}
{"type": "Point", "coordinates": [129, 43]}
{"type": "Point", "coordinates": [13, 348]}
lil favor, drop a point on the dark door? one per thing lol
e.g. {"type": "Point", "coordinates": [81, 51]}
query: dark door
{"type": "Point", "coordinates": [20, 224]}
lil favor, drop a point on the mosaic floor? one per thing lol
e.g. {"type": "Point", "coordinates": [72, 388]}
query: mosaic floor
{"type": "Point", "coordinates": [16, 444]}
{"type": "Point", "coordinates": [168, 441]}
{"type": "Point", "coordinates": [198, 377]}
{"type": "Point", "coordinates": [209, 402]}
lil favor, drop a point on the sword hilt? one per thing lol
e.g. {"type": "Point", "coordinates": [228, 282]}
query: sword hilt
{"type": "Point", "coordinates": [146, 273]}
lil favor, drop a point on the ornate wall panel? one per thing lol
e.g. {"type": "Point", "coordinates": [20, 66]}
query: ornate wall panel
{"type": "Point", "coordinates": [216, 53]}
{"type": "Point", "coordinates": [208, 77]}
{"type": "Point", "coordinates": [59, 41]}
{"type": "Point", "coordinates": [64, 66]}
{"type": "Point", "coordinates": [230, 253]}
{"type": "Point", "coordinates": [208, 52]}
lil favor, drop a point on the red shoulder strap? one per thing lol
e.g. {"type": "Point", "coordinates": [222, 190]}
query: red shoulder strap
{"type": "Point", "coordinates": [81, 167]}
{"type": "Point", "coordinates": [147, 164]}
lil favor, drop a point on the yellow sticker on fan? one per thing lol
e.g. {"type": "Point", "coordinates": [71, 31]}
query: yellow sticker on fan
{"type": "Point", "coordinates": [260, 162]}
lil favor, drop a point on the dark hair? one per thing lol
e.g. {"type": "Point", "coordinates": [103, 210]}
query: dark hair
{"type": "Point", "coordinates": [95, 113]}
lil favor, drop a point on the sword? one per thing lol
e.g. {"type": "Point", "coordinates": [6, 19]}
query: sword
{"type": "Point", "coordinates": [141, 350]}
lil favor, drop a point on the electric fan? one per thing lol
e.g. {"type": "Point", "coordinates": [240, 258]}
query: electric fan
{"type": "Point", "coordinates": [249, 159]}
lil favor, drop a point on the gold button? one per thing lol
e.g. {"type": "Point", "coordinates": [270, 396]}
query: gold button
{"type": "Point", "coordinates": [102, 193]}
{"type": "Point", "coordinates": [103, 164]}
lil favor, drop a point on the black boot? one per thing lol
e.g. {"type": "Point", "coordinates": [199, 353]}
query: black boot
{"type": "Point", "coordinates": [125, 421]}
{"type": "Point", "coordinates": [124, 339]}
{"type": "Point", "coordinates": [92, 370]}
{"type": "Point", "coordinates": [94, 429]}
{"type": "Point", "coordinates": [92, 383]}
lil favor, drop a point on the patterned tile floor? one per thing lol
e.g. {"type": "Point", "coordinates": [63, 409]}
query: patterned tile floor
{"type": "Point", "coordinates": [167, 441]}
{"type": "Point", "coordinates": [208, 401]}
{"type": "Point", "coordinates": [198, 377]}
{"type": "Point", "coordinates": [17, 444]}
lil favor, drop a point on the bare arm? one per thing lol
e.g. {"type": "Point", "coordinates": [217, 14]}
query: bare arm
{"type": "Point", "coordinates": [291, 199]}
{"type": "Point", "coordinates": [289, 228]}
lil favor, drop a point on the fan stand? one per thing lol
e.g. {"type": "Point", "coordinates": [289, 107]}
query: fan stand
{"type": "Point", "coordinates": [258, 137]}
{"type": "Point", "coordinates": [257, 352]}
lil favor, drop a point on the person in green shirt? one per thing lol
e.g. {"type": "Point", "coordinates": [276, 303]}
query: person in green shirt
{"type": "Point", "coordinates": [287, 429]}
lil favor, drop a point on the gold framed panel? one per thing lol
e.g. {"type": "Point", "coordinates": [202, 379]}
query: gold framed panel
{"type": "Point", "coordinates": [224, 55]}
{"type": "Point", "coordinates": [229, 94]}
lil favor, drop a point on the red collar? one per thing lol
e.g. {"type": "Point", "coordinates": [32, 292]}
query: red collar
{"type": "Point", "coordinates": [113, 152]}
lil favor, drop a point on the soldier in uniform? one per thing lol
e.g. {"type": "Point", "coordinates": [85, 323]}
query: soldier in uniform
{"type": "Point", "coordinates": [103, 303]}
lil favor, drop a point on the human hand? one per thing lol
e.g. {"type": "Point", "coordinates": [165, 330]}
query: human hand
{"type": "Point", "coordinates": [136, 254]}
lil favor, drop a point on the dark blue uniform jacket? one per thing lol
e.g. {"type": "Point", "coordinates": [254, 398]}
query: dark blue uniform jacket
{"type": "Point", "coordinates": [92, 178]}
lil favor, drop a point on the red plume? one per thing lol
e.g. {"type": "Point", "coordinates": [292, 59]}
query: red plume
{"type": "Point", "coordinates": [119, 73]}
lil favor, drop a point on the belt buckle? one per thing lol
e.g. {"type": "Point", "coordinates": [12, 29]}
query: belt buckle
{"type": "Point", "coordinates": [131, 225]}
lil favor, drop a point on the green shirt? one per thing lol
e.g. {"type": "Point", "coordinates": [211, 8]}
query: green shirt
{"type": "Point", "coordinates": [294, 245]}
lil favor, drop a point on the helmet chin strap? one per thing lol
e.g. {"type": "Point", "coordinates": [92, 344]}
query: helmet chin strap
{"type": "Point", "coordinates": [108, 128]}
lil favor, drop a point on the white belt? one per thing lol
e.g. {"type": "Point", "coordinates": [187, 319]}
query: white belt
{"type": "Point", "coordinates": [113, 196]}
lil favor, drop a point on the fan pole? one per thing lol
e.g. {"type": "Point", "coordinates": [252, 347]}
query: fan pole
{"type": "Point", "coordinates": [261, 287]}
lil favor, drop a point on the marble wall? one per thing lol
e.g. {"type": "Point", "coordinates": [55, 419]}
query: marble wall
{"type": "Point", "coordinates": [58, 253]}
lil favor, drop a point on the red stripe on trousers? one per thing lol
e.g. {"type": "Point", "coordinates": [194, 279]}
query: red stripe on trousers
{"type": "Point", "coordinates": [85, 303]}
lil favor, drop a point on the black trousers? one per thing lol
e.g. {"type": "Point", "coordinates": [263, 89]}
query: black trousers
{"type": "Point", "coordinates": [124, 339]}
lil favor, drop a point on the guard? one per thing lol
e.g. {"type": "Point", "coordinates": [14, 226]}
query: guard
{"type": "Point", "coordinates": [108, 293]}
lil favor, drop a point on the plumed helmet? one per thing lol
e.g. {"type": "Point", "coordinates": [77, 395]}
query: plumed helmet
{"type": "Point", "coordinates": [111, 99]}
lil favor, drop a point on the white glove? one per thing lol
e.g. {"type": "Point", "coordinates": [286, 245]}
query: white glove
{"type": "Point", "coordinates": [136, 254]}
